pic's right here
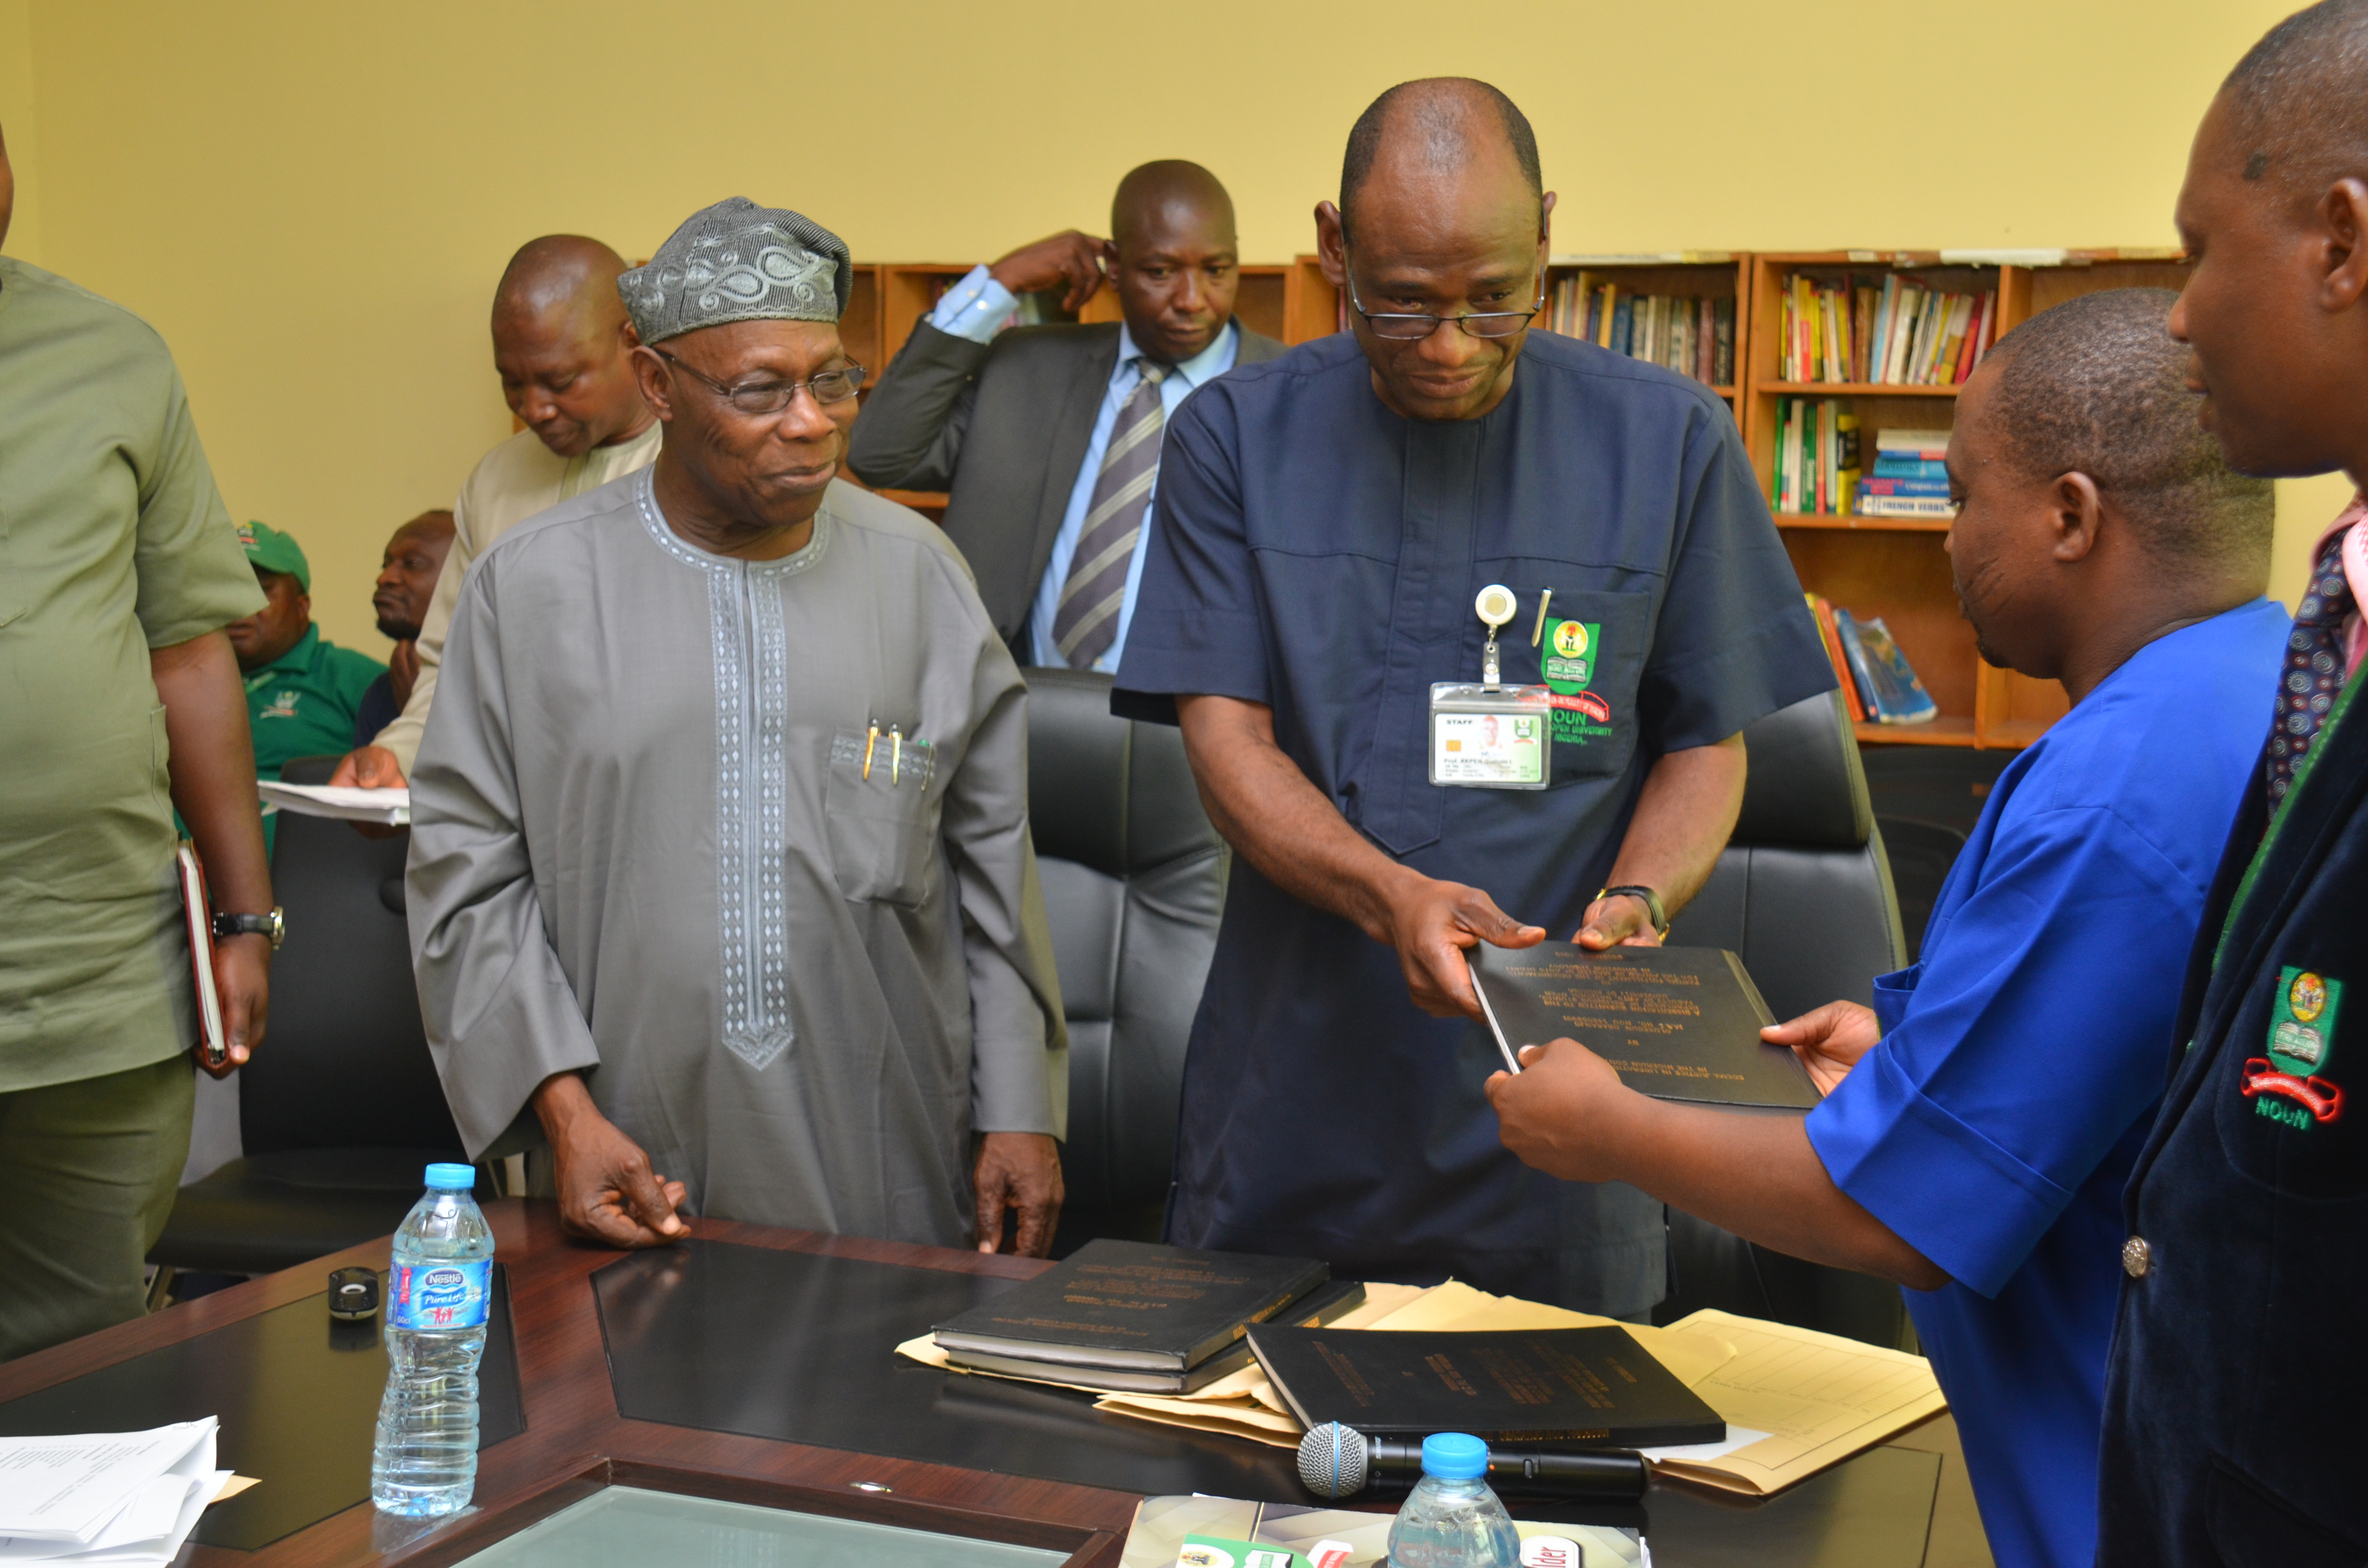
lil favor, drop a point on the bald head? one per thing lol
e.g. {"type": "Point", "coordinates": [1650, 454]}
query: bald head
{"type": "Point", "coordinates": [561, 341]}
{"type": "Point", "coordinates": [1440, 126]}
{"type": "Point", "coordinates": [1172, 257]}
{"type": "Point", "coordinates": [1443, 215]}
{"type": "Point", "coordinates": [1170, 195]}
{"type": "Point", "coordinates": [561, 275]}
{"type": "Point", "coordinates": [2298, 101]}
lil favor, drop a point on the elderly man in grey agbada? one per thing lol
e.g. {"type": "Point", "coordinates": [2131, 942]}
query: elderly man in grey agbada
{"type": "Point", "coordinates": [720, 860]}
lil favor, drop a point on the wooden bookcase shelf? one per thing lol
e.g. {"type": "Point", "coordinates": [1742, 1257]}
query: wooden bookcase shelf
{"type": "Point", "coordinates": [1695, 275]}
{"type": "Point", "coordinates": [1851, 389]}
{"type": "Point", "coordinates": [1853, 521]}
{"type": "Point", "coordinates": [1894, 567]}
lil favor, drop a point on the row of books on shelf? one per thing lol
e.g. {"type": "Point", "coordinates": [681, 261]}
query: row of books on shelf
{"type": "Point", "coordinates": [1692, 335]}
{"type": "Point", "coordinates": [1902, 333]}
{"type": "Point", "coordinates": [1877, 681]}
{"type": "Point", "coordinates": [1818, 470]}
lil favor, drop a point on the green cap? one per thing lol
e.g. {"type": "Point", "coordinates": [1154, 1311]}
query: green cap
{"type": "Point", "coordinates": [274, 551]}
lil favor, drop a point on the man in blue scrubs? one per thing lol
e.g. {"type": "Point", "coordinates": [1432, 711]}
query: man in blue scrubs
{"type": "Point", "coordinates": [2003, 1085]}
{"type": "Point", "coordinates": [1324, 522]}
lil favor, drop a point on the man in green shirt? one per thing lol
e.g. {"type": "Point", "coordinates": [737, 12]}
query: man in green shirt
{"type": "Point", "coordinates": [118, 702]}
{"type": "Point", "coordinates": [303, 690]}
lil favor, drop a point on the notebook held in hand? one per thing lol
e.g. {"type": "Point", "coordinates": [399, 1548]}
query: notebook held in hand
{"type": "Point", "coordinates": [1582, 1387]}
{"type": "Point", "coordinates": [1677, 1023]}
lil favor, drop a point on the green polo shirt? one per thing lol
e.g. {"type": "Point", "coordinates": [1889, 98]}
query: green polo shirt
{"type": "Point", "coordinates": [304, 704]}
{"type": "Point", "coordinates": [112, 542]}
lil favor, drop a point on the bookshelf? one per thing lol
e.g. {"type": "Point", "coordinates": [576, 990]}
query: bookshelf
{"type": "Point", "coordinates": [1691, 275]}
{"type": "Point", "coordinates": [1898, 568]}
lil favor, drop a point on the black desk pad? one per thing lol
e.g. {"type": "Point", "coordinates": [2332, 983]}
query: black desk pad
{"type": "Point", "coordinates": [297, 1394]}
{"type": "Point", "coordinates": [799, 1347]}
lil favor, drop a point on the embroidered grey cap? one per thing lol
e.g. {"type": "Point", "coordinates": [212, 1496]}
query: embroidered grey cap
{"type": "Point", "coordinates": [737, 261]}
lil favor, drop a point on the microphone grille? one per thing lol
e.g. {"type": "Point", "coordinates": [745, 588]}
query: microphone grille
{"type": "Point", "coordinates": [1332, 1461]}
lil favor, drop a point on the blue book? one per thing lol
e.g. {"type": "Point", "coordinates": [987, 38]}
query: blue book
{"type": "Point", "coordinates": [1624, 324]}
{"type": "Point", "coordinates": [1879, 485]}
{"type": "Point", "coordinates": [1889, 467]}
{"type": "Point", "coordinates": [1888, 681]}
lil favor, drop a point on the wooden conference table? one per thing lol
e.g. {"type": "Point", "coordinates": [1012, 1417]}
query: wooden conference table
{"type": "Point", "coordinates": [756, 1366]}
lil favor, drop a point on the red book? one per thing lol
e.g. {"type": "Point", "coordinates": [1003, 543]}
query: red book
{"type": "Point", "coordinates": [1969, 353]}
{"type": "Point", "coordinates": [198, 911]}
{"type": "Point", "coordinates": [1824, 610]}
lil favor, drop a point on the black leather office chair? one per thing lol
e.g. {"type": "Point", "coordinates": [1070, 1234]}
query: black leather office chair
{"type": "Point", "coordinates": [1803, 893]}
{"type": "Point", "coordinates": [1134, 879]}
{"type": "Point", "coordinates": [1921, 854]}
{"type": "Point", "coordinates": [341, 1108]}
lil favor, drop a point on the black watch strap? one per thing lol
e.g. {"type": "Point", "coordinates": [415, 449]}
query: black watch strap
{"type": "Point", "coordinates": [1651, 900]}
{"type": "Point", "coordinates": [271, 926]}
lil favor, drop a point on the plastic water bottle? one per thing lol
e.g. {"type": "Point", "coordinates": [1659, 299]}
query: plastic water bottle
{"type": "Point", "coordinates": [1451, 1519]}
{"type": "Point", "coordinates": [436, 1295]}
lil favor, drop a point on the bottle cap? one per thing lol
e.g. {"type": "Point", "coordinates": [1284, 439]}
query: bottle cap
{"type": "Point", "coordinates": [1454, 1456]}
{"type": "Point", "coordinates": [452, 1177]}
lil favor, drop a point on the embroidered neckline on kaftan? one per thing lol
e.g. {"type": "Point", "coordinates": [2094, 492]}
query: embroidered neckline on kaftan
{"type": "Point", "coordinates": [752, 776]}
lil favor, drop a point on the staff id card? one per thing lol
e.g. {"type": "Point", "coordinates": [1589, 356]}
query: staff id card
{"type": "Point", "coordinates": [1491, 740]}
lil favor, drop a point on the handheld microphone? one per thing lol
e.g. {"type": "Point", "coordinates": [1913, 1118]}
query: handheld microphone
{"type": "Point", "coordinates": [1338, 1462]}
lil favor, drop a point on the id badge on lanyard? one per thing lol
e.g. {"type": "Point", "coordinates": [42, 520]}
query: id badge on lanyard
{"type": "Point", "coordinates": [1491, 737]}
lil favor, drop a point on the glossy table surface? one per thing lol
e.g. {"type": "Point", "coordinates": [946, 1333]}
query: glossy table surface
{"type": "Point", "coordinates": [755, 1366]}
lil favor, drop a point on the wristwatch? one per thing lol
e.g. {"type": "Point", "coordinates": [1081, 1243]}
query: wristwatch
{"type": "Point", "coordinates": [272, 925]}
{"type": "Point", "coordinates": [1651, 901]}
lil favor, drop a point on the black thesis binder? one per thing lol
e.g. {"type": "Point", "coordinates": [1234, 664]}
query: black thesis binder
{"type": "Point", "coordinates": [1133, 1306]}
{"type": "Point", "coordinates": [1594, 1387]}
{"type": "Point", "coordinates": [1678, 1023]}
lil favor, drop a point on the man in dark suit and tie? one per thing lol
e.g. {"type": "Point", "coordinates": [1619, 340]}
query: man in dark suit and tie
{"type": "Point", "coordinates": [1048, 436]}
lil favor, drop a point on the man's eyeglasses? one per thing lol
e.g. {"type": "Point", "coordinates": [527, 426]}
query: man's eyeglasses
{"type": "Point", "coordinates": [1407, 327]}
{"type": "Point", "coordinates": [757, 399]}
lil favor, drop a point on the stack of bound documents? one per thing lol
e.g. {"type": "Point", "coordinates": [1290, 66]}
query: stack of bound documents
{"type": "Point", "coordinates": [1131, 1316]}
{"type": "Point", "coordinates": [125, 1499]}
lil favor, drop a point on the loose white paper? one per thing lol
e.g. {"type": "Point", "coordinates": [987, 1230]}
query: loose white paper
{"type": "Point", "coordinates": [1736, 1438]}
{"type": "Point", "coordinates": [343, 802]}
{"type": "Point", "coordinates": [121, 1499]}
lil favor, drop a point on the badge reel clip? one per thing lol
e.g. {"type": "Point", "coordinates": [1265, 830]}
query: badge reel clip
{"type": "Point", "coordinates": [1491, 737]}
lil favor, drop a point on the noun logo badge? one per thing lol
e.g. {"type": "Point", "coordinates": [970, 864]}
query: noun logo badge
{"type": "Point", "coordinates": [2289, 1085]}
{"type": "Point", "coordinates": [1573, 648]}
{"type": "Point", "coordinates": [1570, 666]}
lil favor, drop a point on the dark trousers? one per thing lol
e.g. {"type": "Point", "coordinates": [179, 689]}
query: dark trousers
{"type": "Point", "coordinates": [89, 1170]}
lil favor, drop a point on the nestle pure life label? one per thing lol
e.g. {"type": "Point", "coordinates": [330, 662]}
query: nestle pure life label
{"type": "Point", "coordinates": [438, 1295]}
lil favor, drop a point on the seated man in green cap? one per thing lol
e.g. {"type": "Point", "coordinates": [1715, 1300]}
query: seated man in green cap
{"type": "Point", "coordinates": [302, 691]}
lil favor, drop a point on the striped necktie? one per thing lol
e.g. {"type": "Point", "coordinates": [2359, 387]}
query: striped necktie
{"type": "Point", "coordinates": [2314, 669]}
{"type": "Point", "coordinates": [1085, 624]}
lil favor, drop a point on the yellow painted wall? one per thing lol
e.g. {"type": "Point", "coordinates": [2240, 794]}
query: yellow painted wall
{"type": "Point", "coordinates": [313, 201]}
